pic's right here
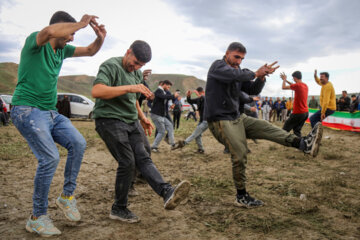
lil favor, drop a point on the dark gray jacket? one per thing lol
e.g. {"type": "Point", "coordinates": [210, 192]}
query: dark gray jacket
{"type": "Point", "coordinates": [223, 87]}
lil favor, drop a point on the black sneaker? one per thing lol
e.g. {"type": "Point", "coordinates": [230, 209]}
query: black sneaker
{"type": "Point", "coordinates": [312, 141]}
{"type": "Point", "coordinates": [124, 214]}
{"type": "Point", "coordinates": [175, 195]}
{"type": "Point", "coordinates": [247, 201]}
{"type": "Point", "coordinates": [179, 144]}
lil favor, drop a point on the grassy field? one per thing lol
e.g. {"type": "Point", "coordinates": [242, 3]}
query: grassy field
{"type": "Point", "coordinates": [305, 198]}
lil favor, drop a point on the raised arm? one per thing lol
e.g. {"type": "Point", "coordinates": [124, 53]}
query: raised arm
{"type": "Point", "coordinates": [62, 29]}
{"type": "Point", "coordinates": [161, 94]}
{"type": "Point", "coordinates": [95, 46]}
{"type": "Point", "coordinates": [317, 79]}
{"type": "Point", "coordinates": [285, 81]}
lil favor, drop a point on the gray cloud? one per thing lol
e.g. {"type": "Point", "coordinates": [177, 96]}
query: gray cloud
{"type": "Point", "coordinates": [289, 31]}
{"type": "Point", "coordinates": [8, 45]}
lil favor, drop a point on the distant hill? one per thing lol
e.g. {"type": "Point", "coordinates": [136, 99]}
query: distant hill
{"type": "Point", "coordinates": [179, 81]}
{"type": "Point", "coordinates": [8, 77]}
{"type": "Point", "coordinates": [82, 84]}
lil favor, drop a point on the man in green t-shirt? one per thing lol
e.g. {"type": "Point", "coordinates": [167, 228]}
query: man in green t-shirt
{"type": "Point", "coordinates": [117, 112]}
{"type": "Point", "coordinates": [34, 113]}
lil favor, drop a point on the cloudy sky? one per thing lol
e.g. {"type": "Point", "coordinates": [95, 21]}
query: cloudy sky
{"type": "Point", "coordinates": [186, 36]}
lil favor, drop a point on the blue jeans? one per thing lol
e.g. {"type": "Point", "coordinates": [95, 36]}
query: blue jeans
{"type": "Point", "coordinates": [200, 128]}
{"type": "Point", "coordinates": [316, 117]}
{"type": "Point", "coordinates": [162, 124]}
{"type": "Point", "coordinates": [42, 129]}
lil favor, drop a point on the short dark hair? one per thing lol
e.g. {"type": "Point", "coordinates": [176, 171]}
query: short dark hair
{"type": "Point", "coordinates": [326, 74]}
{"type": "Point", "coordinates": [61, 16]}
{"type": "Point", "coordinates": [297, 74]}
{"type": "Point", "coordinates": [141, 50]}
{"type": "Point", "coordinates": [167, 82]}
{"type": "Point", "coordinates": [344, 91]}
{"type": "Point", "coordinates": [353, 95]}
{"type": "Point", "coordinates": [200, 89]}
{"type": "Point", "coordinates": [236, 46]}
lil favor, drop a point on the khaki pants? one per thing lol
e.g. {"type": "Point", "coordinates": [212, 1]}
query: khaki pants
{"type": "Point", "coordinates": [233, 135]}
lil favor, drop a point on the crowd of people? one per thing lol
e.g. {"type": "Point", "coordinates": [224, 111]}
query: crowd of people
{"type": "Point", "coordinates": [228, 106]}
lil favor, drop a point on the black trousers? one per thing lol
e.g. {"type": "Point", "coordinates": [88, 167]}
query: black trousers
{"type": "Point", "coordinates": [295, 122]}
{"type": "Point", "coordinates": [176, 118]}
{"type": "Point", "coordinates": [126, 144]}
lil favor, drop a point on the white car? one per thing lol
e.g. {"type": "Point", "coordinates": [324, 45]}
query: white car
{"type": "Point", "coordinates": [80, 106]}
{"type": "Point", "coordinates": [7, 100]}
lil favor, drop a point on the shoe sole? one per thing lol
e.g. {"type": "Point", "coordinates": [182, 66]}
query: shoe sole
{"type": "Point", "coordinates": [180, 193]}
{"type": "Point", "coordinates": [315, 148]}
{"type": "Point", "coordinates": [29, 229]}
{"type": "Point", "coordinates": [114, 217]}
{"type": "Point", "coordinates": [63, 209]}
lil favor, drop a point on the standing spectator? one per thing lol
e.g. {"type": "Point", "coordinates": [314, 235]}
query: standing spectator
{"type": "Point", "coordinates": [159, 112]}
{"type": "Point", "coordinates": [177, 109]}
{"type": "Point", "coordinates": [354, 104]}
{"type": "Point", "coordinates": [266, 109]}
{"type": "Point", "coordinates": [63, 106]}
{"type": "Point", "coordinates": [289, 106]}
{"type": "Point", "coordinates": [283, 110]}
{"type": "Point", "coordinates": [300, 114]}
{"type": "Point", "coordinates": [344, 102]}
{"type": "Point", "coordinates": [278, 106]}
{"type": "Point", "coordinates": [272, 115]}
{"type": "Point", "coordinates": [327, 98]}
{"type": "Point", "coordinates": [34, 113]}
{"type": "Point", "coordinates": [313, 103]}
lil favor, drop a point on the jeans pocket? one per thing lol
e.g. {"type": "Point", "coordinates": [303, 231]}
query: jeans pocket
{"type": "Point", "coordinates": [20, 113]}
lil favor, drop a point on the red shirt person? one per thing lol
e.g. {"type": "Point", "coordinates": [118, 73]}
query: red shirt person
{"type": "Point", "coordinates": [300, 108]}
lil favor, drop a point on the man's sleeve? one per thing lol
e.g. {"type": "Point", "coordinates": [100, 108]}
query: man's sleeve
{"type": "Point", "coordinates": [317, 80]}
{"type": "Point", "coordinates": [244, 98]}
{"type": "Point", "coordinates": [253, 87]}
{"type": "Point", "coordinates": [69, 51]}
{"type": "Point", "coordinates": [294, 86]}
{"type": "Point", "coordinates": [105, 76]}
{"type": "Point", "coordinates": [30, 43]}
{"type": "Point", "coordinates": [192, 101]}
{"type": "Point", "coordinates": [160, 94]}
{"type": "Point", "coordinates": [222, 72]}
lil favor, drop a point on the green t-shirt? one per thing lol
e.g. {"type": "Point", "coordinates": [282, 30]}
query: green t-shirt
{"type": "Point", "coordinates": [38, 74]}
{"type": "Point", "coordinates": [112, 73]}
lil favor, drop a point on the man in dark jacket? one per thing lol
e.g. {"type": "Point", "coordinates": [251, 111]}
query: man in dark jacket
{"type": "Point", "coordinates": [344, 102]}
{"type": "Point", "coordinates": [202, 125]}
{"type": "Point", "coordinates": [354, 104]}
{"type": "Point", "coordinates": [159, 112]}
{"type": "Point", "coordinates": [225, 81]}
